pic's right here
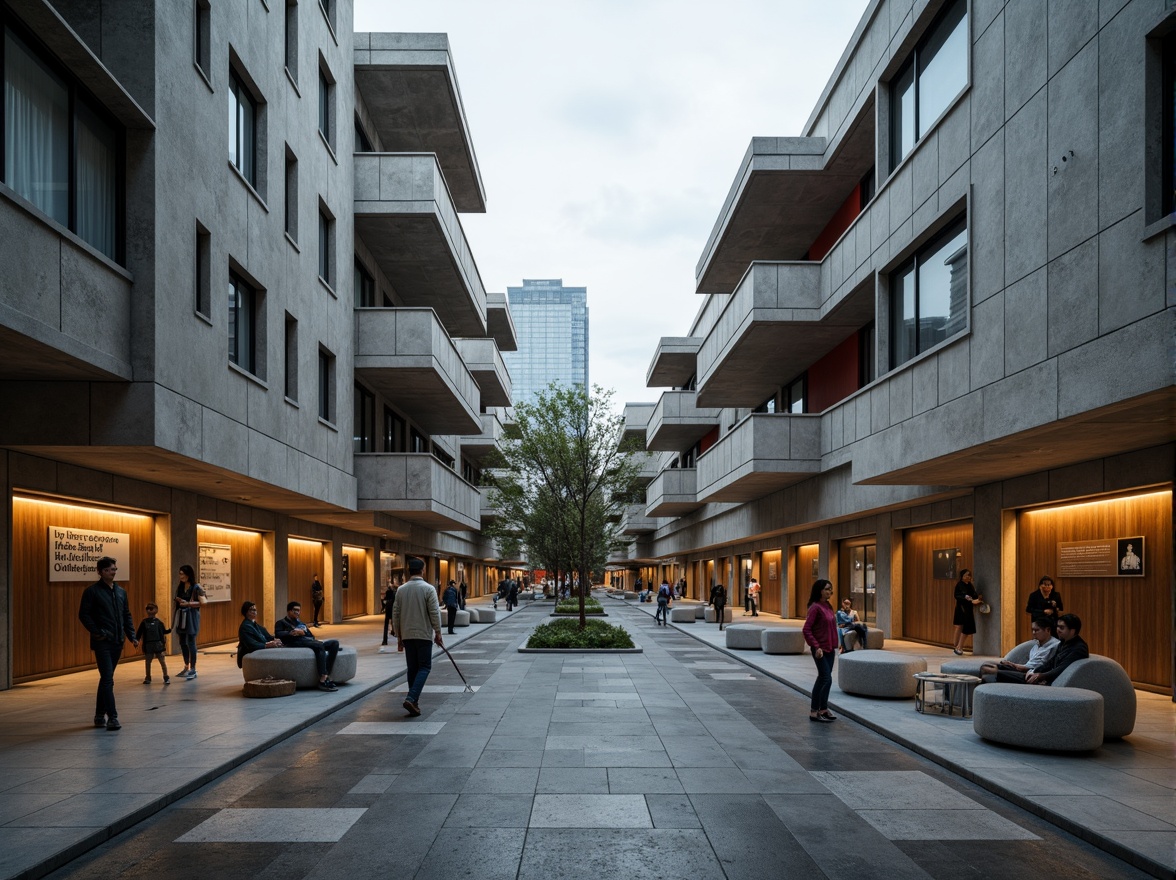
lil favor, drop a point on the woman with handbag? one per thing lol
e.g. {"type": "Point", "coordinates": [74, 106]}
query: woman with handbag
{"type": "Point", "coordinates": [186, 624]}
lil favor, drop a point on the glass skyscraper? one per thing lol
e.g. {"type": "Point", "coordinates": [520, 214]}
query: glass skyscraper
{"type": "Point", "coordinates": [551, 325]}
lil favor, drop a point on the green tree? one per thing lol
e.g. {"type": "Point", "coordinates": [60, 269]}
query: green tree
{"type": "Point", "coordinates": [559, 479]}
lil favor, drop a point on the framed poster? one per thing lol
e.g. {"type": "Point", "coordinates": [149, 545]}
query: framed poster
{"type": "Point", "coordinates": [1102, 558]}
{"type": "Point", "coordinates": [214, 571]}
{"type": "Point", "coordinates": [74, 553]}
{"type": "Point", "coordinates": [1131, 557]}
{"type": "Point", "coordinates": [943, 564]}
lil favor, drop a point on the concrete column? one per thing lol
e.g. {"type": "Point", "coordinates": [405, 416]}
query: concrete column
{"type": "Point", "coordinates": [179, 548]}
{"type": "Point", "coordinates": [883, 595]}
{"type": "Point", "coordinates": [988, 554]}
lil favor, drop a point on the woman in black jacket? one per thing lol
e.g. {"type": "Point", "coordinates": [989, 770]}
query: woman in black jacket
{"type": "Point", "coordinates": [966, 598]}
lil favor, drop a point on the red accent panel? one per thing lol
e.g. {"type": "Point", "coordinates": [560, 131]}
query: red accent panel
{"type": "Point", "coordinates": [711, 438]}
{"type": "Point", "coordinates": [834, 377]}
{"type": "Point", "coordinates": [840, 222]}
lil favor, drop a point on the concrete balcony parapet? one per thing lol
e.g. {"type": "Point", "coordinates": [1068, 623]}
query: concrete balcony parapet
{"type": "Point", "coordinates": [763, 453]}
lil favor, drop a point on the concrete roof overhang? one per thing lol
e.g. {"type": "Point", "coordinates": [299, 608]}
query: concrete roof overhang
{"type": "Point", "coordinates": [484, 361]}
{"type": "Point", "coordinates": [773, 328]}
{"type": "Point", "coordinates": [677, 422]}
{"type": "Point", "coordinates": [674, 362]}
{"type": "Point", "coordinates": [404, 214]}
{"type": "Point", "coordinates": [784, 194]}
{"type": "Point", "coordinates": [499, 323]}
{"type": "Point", "coordinates": [409, 85]}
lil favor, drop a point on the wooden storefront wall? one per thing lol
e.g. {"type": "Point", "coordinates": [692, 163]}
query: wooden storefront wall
{"type": "Point", "coordinates": [928, 605]}
{"type": "Point", "coordinates": [1127, 619]}
{"type": "Point", "coordinates": [47, 638]}
{"type": "Point", "coordinates": [355, 597]}
{"type": "Point", "coordinates": [219, 621]}
{"type": "Point", "coordinates": [807, 559]}
{"type": "Point", "coordinates": [304, 559]}
{"type": "Point", "coordinates": [770, 581]}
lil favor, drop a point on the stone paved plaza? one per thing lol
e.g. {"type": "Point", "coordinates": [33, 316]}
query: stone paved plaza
{"type": "Point", "coordinates": [677, 762]}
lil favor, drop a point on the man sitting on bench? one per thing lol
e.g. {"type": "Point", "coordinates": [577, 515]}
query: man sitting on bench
{"type": "Point", "coordinates": [1071, 649]}
{"type": "Point", "coordinates": [296, 634]}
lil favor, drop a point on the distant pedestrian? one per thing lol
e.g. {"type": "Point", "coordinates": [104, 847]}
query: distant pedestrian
{"type": "Point", "coordinates": [317, 595]}
{"type": "Point", "coordinates": [753, 595]}
{"type": "Point", "coordinates": [451, 599]}
{"type": "Point", "coordinates": [512, 595]}
{"type": "Point", "coordinates": [820, 632]}
{"type": "Point", "coordinates": [186, 624]}
{"type": "Point", "coordinates": [718, 600]}
{"type": "Point", "coordinates": [104, 612]}
{"type": "Point", "coordinates": [388, 601]}
{"type": "Point", "coordinates": [151, 633]}
{"type": "Point", "coordinates": [463, 589]}
{"type": "Point", "coordinates": [664, 594]}
{"type": "Point", "coordinates": [416, 617]}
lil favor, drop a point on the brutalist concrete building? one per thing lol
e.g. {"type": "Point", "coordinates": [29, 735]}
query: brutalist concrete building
{"type": "Point", "coordinates": [935, 332]}
{"type": "Point", "coordinates": [254, 341]}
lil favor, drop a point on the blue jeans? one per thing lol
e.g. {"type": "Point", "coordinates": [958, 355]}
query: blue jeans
{"type": "Point", "coordinates": [106, 654]}
{"type": "Point", "coordinates": [824, 681]}
{"type": "Point", "coordinates": [418, 654]}
{"type": "Point", "coordinates": [188, 648]}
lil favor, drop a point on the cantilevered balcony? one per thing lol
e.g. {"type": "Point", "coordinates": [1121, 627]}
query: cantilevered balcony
{"type": "Point", "coordinates": [405, 215]}
{"type": "Point", "coordinates": [636, 416]}
{"type": "Point", "coordinates": [416, 487]}
{"type": "Point", "coordinates": [406, 355]}
{"type": "Point", "coordinates": [763, 453]}
{"type": "Point", "coordinates": [649, 466]}
{"type": "Point", "coordinates": [677, 423]}
{"type": "Point", "coordinates": [635, 522]}
{"type": "Point", "coordinates": [672, 493]}
{"type": "Point", "coordinates": [477, 446]}
{"type": "Point", "coordinates": [499, 323]}
{"type": "Point", "coordinates": [674, 362]}
{"type": "Point", "coordinates": [488, 510]}
{"type": "Point", "coordinates": [773, 327]}
{"type": "Point", "coordinates": [484, 361]}
{"type": "Point", "coordinates": [410, 90]}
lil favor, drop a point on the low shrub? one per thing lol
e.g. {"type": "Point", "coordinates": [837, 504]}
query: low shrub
{"type": "Point", "coordinates": [567, 634]}
{"type": "Point", "coordinates": [572, 606]}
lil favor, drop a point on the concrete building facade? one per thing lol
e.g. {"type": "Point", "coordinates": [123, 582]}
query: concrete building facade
{"type": "Point", "coordinates": [937, 332]}
{"type": "Point", "coordinates": [253, 341]}
{"type": "Point", "coordinates": [552, 327]}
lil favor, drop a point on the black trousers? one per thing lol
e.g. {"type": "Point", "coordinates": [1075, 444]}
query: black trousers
{"type": "Point", "coordinates": [451, 613]}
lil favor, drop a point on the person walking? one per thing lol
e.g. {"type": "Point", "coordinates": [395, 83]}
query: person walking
{"type": "Point", "coordinates": [966, 599]}
{"type": "Point", "coordinates": [151, 633]}
{"type": "Point", "coordinates": [463, 589]}
{"type": "Point", "coordinates": [388, 601]}
{"type": "Point", "coordinates": [718, 600]}
{"type": "Point", "coordinates": [753, 594]}
{"type": "Point", "coordinates": [820, 632]}
{"type": "Point", "coordinates": [106, 615]}
{"type": "Point", "coordinates": [186, 625]}
{"type": "Point", "coordinates": [416, 617]}
{"type": "Point", "coordinates": [451, 600]}
{"type": "Point", "coordinates": [317, 595]}
{"type": "Point", "coordinates": [662, 617]}
{"type": "Point", "coordinates": [512, 595]}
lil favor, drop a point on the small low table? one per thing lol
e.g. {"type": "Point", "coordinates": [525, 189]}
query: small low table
{"type": "Point", "coordinates": [949, 692]}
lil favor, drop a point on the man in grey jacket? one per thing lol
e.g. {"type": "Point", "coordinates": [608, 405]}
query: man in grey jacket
{"type": "Point", "coordinates": [416, 620]}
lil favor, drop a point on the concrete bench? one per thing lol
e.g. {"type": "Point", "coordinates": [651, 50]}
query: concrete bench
{"type": "Point", "coordinates": [709, 614]}
{"type": "Point", "coordinates": [878, 673]}
{"type": "Point", "coordinates": [482, 615]}
{"type": "Point", "coordinates": [783, 640]}
{"type": "Point", "coordinates": [971, 665]}
{"type": "Point", "coordinates": [700, 612]}
{"type": "Point", "coordinates": [1065, 719]}
{"type": "Point", "coordinates": [297, 665]}
{"type": "Point", "coordinates": [462, 618]}
{"type": "Point", "coordinates": [683, 614]}
{"type": "Point", "coordinates": [744, 636]}
{"type": "Point", "coordinates": [875, 640]}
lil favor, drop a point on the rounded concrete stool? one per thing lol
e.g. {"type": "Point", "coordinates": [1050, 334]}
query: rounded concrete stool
{"type": "Point", "coordinates": [878, 674]}
{"type": "Point", "coordinates": [970, 666]}
{"type": "Point", "coordinates": [710, 614]}
{"type": "Point", "coordinates": [485, 615]}
{"type": "Point", "coordinates": [700, 612]}
{"type": "Point", "coordinates": [297, 665]}
{"type": "Point", "coordinates": [875, 640]}
{"type": "Point", "coordinates": [783, 640]}
{"type": "Point", "coordinates": [631, 597]}
{"type": "Point", "coordinates": [744, 636]}
{"type": "Point", "coordinates": [682, 614]}
{"type": "Point", "coordinates": [462, 618]}
{"type": "Point", "coordinates": [1063, 719]}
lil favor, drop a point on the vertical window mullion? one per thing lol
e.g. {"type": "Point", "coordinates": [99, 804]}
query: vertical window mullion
{"type": "Point", "coordinates": [72, 164]}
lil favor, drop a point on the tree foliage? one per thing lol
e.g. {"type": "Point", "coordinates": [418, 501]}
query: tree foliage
{"type": "Point", "coordinates": [559, 480]}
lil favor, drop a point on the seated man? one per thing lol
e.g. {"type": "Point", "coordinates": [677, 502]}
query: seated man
{"type": "Point", "coordinates": [295, 634]}
{"type": "Point", "coordinates": [1071, 649]}
{"type": "Point", "coordinates": [1039, 654]}
{"type": "Point", "coordinates": [849, 622]}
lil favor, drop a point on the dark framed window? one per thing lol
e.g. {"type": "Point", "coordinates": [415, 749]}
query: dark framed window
{"type": "Point", "coordinates": [326, 106]}
{"type": "Point", "coordinates": [768, 406]}
{"type": "Point", "coordinates": [326, 250]}
{"type": "Point", "coordinates": [444, 457]}
{"type": "Point", "coordinates": [364, 426]}
{"type": "Point", "coordinates": [363, 143]}
{"type": "Point", "coordinates": [60, 149]}
{"type": "Point", "coordinates": [291, 56]}
{"type": "Point", "coordinates": [326, 385]}
{"type": "Point", "coordinates": [1168, 124]}
{"type": "Point", "coordinates": [929, 295]}
{"type": "Point", "coordinates": [365, 287]}
{"type": "Point", "coordinates": [242, 129]}
{"type": "Point", "coordinates": [867, 355]}
{"type": "Point", "coordinates": [203, 271]}
{"type": "Point", "coordinates": [417, 442]}
{"type": "Point", "coordinates": [394, 427]}
{"type": "Point", "coordinates": [243, 323]}
{"type": "Point", "coordinates": [328, 8]}
{"type": "Point", "coordinates": [793, 395]}
{"type": "Point", "coordinates": [291, 201]}
{"type": "Point", "coordinates": [202, 38]}
{"type": "Point", "coordinates": [929, 80]}
{"type": "Point", "coordinates": [291, 358]}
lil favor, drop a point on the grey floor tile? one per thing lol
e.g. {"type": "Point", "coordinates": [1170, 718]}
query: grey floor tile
{"type": "Point", "coordinates": [485, 853]}
{"type": "Point", "coordinates": [490, 811]}
{"type": "Point", "coordinates": [626, 759]}
{"type": "Point", "coordinates": [672, 811]}
{"type": "Point", "coordinates": [1105, 814]}
{"type": "Point", "coordinates": [895, 790]}
{"type": "Point", "coordinates": [590, 855]}
{"type": "Point", "coordinates": [435, 780]}
{"type": "Point", "coordinates": [944, 824]}
{"type": "Point", "coordinates": [507, 758]}
{"type": "Point", "coordinates": [501, 780]}
{"type": "Point", "coordinates": [274, 825]}
{"type": "Point", "coordinates": [643, 780]}
{"type": "Point", "coordinates": [702, 780]}
{"type": "Point", "coordinates": [573, 780]}
{"type": "Point", "coordinates": [589, 811]}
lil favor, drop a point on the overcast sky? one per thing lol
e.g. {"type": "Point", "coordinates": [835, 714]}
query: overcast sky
{"type": "Point", "coordinates": [608, 134]}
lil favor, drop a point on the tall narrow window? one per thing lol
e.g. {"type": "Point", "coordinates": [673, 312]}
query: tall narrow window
{"type": "Point", "coordinates": [1168, 124]}
{"type": "Point", "coordinates": [291, 358]}
{"type": "Point", "coordinates": [867, 355]}
{"type": "Point", "coordinates": [328, 8]}
{"type": "Point", "coordinates": [794, 394]}
{"type": "Point", "coordinates": [364, 428]}
{"type": "Point", "coordinates": [417, 442]}
{"type": "Point", "coordinates": [242, 129]}
{"type": "Point", "coordinates": [929, 295]}
{"type": "Point", "coordinates": [365, 287]}
{"type": "Point", "coordinates": [363, 144]}
{"type": "Point", "coordinates": [243, 301]}
{"type": "Point", "coordinates": [203, 271]}
{"type": "Point", "coordinates": [929, 80]}
{"type": "Point", "coordinates": [292, 39]}
{"type": "Point", "coordinates": [326, 385]}
{"type": "Point", "coordinates": [326, 110]}
{"type": "Point", "coordinates": [393, 431]}
{"type": "Point", "coordinates": [202, 38]}
{"type": "Point", "coordinates": [326, 253]}
{"type": "Point", "coordinates": [291, 206]}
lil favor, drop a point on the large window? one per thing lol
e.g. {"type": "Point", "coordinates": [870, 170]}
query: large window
{"type": "Point", "coordinates": [242, 129]}
{"type": "Point", "coordinates": [244, 305]}
{"type": "Point", "coordinates": [929, 295]}
{"type": "Point", "coordinates": [61, 151]}
{"type": "Point", "coordinates": [394, 431]}
{"type": "Point", "coordinates": [929, 80]}
{"type": "Point", "coordinates": [326, 109]}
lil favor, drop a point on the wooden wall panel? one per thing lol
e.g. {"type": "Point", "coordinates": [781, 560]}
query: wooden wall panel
{"type": "Point", "coordinates": [355, 597]}
{"type": "Point", "coordinates": [1129, 619]}
{"type": "Point", "coordinates": [219, 621]}
{"type": "Point", "coordinates": [802, 577]}
{"type": "Point", "coordinates": [304, 560]}
{"type": "Point", "coordinates": [47, 638]}
{"type": "Point", "coordinates": [771, 592]}
{"type": "Point", "coordinates": [928, 605]}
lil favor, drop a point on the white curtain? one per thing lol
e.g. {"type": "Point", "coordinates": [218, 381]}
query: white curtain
{"type": "Point", "coordinates": [36, 131]}
{"type": "Point", "coordinates": [95, 149]}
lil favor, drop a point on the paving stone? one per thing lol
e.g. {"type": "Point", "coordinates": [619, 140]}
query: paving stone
{"type": "Point", "coordinates": [589, 811]}
{"type": "Point", "coordinates": [273, 825]}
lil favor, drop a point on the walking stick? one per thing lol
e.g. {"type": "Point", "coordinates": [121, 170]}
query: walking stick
{"type": "Point", "coordinates": [468, 688]}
